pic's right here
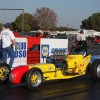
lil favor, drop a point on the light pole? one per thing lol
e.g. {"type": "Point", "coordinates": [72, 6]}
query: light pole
{"type": "Point", "coordinates": [22, 17]}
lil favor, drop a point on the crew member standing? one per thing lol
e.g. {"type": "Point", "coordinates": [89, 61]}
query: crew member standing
{"type": "Point", "coordinates": [81, 36]}
{"type": "Point", "coordinates": [81, 39]}
{"type": "Point", "coordinates": [8, 40]}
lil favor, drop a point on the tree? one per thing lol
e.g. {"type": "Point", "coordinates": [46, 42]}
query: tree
{"type": "Point", "coordinates": [1, 26]}
{"type": "Point", "coordinates": [45, 18]}
{"type": "Point", "coordinates": [93, 22]}
{"type": "Point", "coordinates": [61, 28]}
{"type": "Point", "coordinates": [28, 21]}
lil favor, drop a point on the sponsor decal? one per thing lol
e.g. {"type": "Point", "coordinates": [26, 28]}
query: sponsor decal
{"type": "Point", "coordinates": [81, 64]}
{"type": "Point", "coordinates": [71, 57]}
{"type": "Point", "coordinates": [87, 60]}
{"type": "Point", "coordinates": [44, 51]}
{"type": "Point", "coordinates": [21, 52]}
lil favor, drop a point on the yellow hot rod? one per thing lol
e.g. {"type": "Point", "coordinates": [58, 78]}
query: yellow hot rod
{"type": "Point", "coordinates": [59, 66]}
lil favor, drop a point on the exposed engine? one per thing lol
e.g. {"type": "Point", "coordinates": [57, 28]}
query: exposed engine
{"type": "Point", "coordinates": [59, 60]}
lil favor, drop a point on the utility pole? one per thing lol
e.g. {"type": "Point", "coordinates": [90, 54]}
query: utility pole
{"type": "Point", "coordinates": [67, 27]}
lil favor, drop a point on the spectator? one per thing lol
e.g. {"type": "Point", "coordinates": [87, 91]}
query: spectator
{"type": "Point", "coordinates": [48, 35]}
{"type": "Point", "coordinates": [40, 33]}
{"type": "Point", "coordinates": [8, 40]}
{"type": "Point", "coordinates": [16, 33]}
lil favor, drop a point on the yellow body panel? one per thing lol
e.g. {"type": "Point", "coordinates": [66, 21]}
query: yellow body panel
{"type": "Point", "coordinates": [77, 65]}
{"type": "Point", "coordinates": [44, 67]}
{"type": "Point", "coordinates": [78, 62]}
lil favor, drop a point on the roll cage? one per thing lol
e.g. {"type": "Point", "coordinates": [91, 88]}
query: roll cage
{"type": "Point", "coordinates": [79, 47]}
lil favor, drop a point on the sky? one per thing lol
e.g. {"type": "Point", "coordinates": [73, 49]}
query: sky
{"type": "Point", "coordinates": [70, 13]}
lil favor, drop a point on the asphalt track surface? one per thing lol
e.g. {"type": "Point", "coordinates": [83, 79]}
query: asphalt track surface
{"type": "Point", "coordinates": [80, 88]}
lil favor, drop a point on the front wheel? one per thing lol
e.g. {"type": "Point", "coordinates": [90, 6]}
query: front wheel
{"type": "Point", "coordinates": [95, 70]}
{"type": "Point", "coordinates": [4, 71]}
{"type": "Point", "coordinates": [34, 78]}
